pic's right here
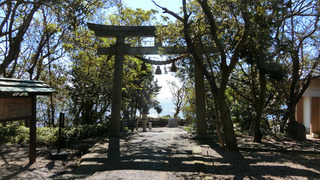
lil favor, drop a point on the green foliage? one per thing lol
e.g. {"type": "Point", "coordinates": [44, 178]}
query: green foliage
{"type": "Point", "coordinates": [48, 136]}
{"type": "Point", "coordinates": [14, 134]}
{"type": "Point", "coordinates": [166, 117]}
{"type": "Point", "coordinates": [191, 127]}
{"type": "Point", "coordinates": [91, 79]}
{"type": "Point", "coordinates": [158, 108]}
{"type": "Point", "coordinates": [140, 88]}
{"type": "Point", "coordinates": [92, 76]}
{"type": "Point", "coordinates": [85, 131]}
{"type": "Point", "coordinates": [53, 44]}
{"type": "Point", "coordinates": [132, 17]}
{"type": "Point", "coordinates": [20, 134]}
{"type": "Point", "coordinates": [43, 33]}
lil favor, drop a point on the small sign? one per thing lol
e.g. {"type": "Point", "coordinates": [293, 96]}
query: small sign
{"type": "Point", "coordinates": [15, 108]}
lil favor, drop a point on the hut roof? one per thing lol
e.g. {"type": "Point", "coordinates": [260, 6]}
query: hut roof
{"type": "Point", "coordinates": [8, 85]}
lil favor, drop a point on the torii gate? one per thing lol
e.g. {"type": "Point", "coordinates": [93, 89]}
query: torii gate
{"type": "Point", "coordinates": [120, 49]}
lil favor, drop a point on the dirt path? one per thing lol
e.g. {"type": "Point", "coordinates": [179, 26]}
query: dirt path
{"type": "Point", "coordinates": [14, 163]}
{"type": "Point", "coordinates": [158, 154]}
{"type": "Point", "coordinates": [170, 153]}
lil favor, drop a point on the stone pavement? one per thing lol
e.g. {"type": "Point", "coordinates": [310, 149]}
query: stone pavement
{"type": "Point", "coordinates": [171, 153]}
{"type": "Point", "coordinates": [160, 153]}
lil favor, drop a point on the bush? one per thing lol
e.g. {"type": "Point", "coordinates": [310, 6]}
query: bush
{"type": "Point", "coordinates": [22, 135]}
{"type": "Point", "coordinates": [166, 117]}
{"type": "Point", "coordinates": [86, 131]}
{"type": "Point", "coordinates": [14, 134]}
{"type": "Point", "coordinates": [48, 136]}
{"type": "Point", "coordinates": [191, 127]}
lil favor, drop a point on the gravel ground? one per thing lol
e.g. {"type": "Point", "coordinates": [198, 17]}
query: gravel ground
{"type": "Point", "coordinates": [158, 154]}
{"type": "Point", "coordinates": [170, 153]}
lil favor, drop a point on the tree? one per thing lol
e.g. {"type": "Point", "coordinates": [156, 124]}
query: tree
{"type": "Point", "coordinates": [179, 95]}
{"type": "Point", "coordinates": [13, 29]}
{"type": "Point", "coordinates": [199, 19]}
{"type": "Point", "coordinates": [159, 109]}
{"type": "Point", "coordinates": [260, 60]}
{"type": "Point", "coordinates": [32, 31]}
{"type": "Point", "coordinates": [231, 27]}
{"type": "Point", "coordinates": [298, 46]}
{"type": "Point", "coordinates": [33, 35]}
{"type": "Point", "coordinates": [140, 89]}
{"type": "Point", "coordinates": [186, 77]}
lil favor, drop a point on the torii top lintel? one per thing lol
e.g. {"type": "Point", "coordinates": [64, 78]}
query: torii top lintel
{"type": "Point", "coordinates": [136, 31]}
{"type": "Point", "coordinates": [126, 31]}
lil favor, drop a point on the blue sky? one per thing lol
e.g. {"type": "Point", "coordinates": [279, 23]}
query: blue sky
{"type": "Point", "coordinates": [172, 5]}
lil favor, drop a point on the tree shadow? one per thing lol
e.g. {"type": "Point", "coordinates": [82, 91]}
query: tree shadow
{"type": "Point", "coordinates": [20, 170]}
{"type": "Point", "coordinates": [10, 154]}
{"type": "Point", "coordinates": [257, 164]}
{"type": "Point", "coordinates": [153, 155]}
{"type": "Point", "coordinates": [138, 154]}
{"type": "Point", "coordinates": [3, 157]}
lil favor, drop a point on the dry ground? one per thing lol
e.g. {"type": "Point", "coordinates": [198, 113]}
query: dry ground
{"type": "Point", "coordinates": [170, 153]}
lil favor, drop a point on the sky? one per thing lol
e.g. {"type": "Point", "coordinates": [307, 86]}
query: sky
{"type": "Point", "coordinates": [172, 5]}
{"type": "Point", "coordinates": [164, 96]}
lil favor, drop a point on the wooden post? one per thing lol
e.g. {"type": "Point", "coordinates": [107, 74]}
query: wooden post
{"type": "Point", "coordinates": [315, 115]}
{"type": "Point", "coordinates": [61, 125]}
{"type": "Point", "coordinates": [200, 101]}
{"type": "Point", "coordinates": [33, 131]}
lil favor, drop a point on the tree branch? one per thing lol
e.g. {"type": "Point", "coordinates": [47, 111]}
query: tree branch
{"type": "Point", "coordinates": [165, 10]}
{"type": "Point", "coordinates": [214, 29]}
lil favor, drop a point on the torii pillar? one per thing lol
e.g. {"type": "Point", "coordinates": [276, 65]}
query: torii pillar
{"type": "Point", "coordinates": [117, 88]}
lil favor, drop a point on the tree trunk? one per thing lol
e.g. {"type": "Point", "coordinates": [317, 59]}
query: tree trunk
{"type": "Point", "coordinates": [175, 116]}
{"type": "Point", "coordinates": [231, 142]}
{"type": "Point", "coordinates": [260, 107]}
{"type": "Point", "coordinates": [218, 127]}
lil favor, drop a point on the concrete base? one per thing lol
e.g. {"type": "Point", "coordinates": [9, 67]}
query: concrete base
{"type": "Point", "coordinates": [58, 155]}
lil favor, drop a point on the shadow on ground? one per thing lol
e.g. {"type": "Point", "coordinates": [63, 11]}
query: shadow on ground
{"type": "Point", "coordinates": [169, 154]}
{"type": "Point", "coordinates": [261, 161]}
{"type": "Point", "coordinates": [145, 153]}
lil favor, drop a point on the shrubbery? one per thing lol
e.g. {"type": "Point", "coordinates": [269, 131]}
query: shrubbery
{"type": "Point", "coordinates": [85, 131]}
{"type": "Point", "coordinates": [14, 134]}
{"type": "Point", "coordinates": [48, 136]}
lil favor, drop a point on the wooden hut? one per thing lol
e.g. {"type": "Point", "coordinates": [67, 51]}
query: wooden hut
{"type": "Point", "coordinates": [18, 102]}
